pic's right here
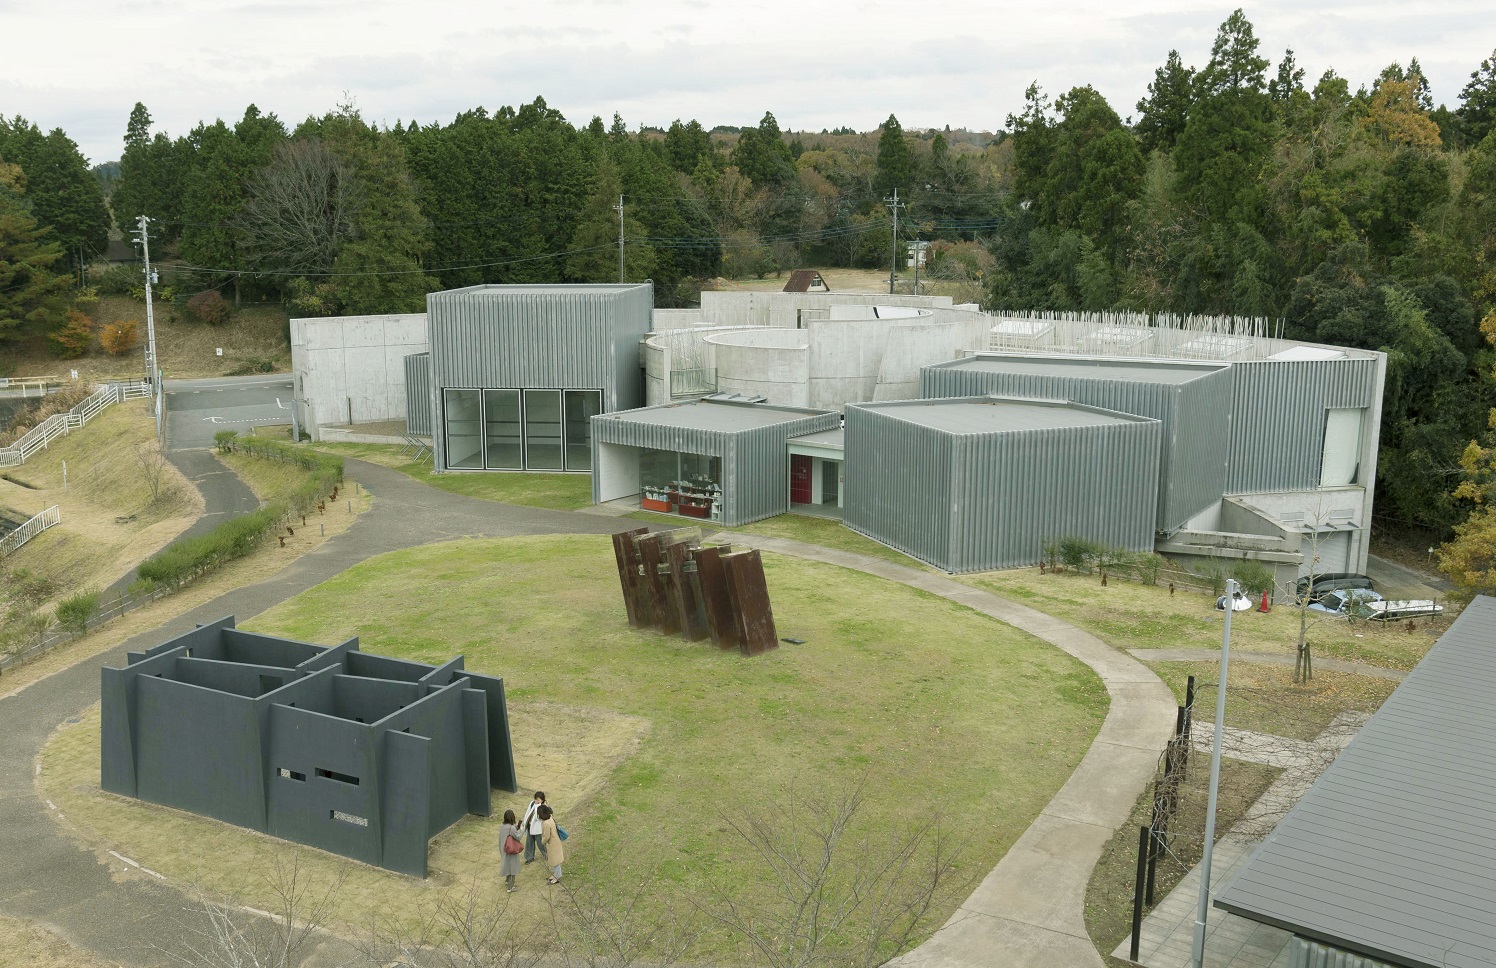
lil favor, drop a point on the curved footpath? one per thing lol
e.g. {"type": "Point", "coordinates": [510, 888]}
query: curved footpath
{"type": "Point", "coordinates": [1028, 910]}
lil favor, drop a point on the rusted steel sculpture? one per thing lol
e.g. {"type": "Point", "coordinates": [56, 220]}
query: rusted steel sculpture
{"type": "Point", "coordinates": [670, 582]}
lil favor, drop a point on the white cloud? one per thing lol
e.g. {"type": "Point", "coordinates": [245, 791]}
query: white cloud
{"type": "Point", "coordinates": [84, 63]}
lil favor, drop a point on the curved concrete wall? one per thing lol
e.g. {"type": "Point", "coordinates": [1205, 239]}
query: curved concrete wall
{"type": "Point", "coordinates": [772, 363]}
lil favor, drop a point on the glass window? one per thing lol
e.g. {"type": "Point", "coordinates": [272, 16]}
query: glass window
{"type": "Point", "coordinates": [543, 430]}
{"type": "Point", "coordinates": [462, 410]}
{"type": "Point", "coordinates": [699, 470]}
{"type": "Point", "coordinates": [658, 469]}
{"type": "Point", "coordinates": [581, 407]}
{"type": "Point", "coordinates": [502, 429]}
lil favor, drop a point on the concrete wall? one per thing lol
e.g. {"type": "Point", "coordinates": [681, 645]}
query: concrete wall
{"type": "Point", "coordinates": [351, 369]}
{"type": "Point", "coordinates": [772, 363]}
{"type": "Point", "coordinates": [783, 309]}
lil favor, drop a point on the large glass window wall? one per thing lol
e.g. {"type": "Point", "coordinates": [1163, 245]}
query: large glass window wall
{"type": "Point", "coordinates": [504, 429]}
{"type": "Point", "coordinates": [688, 484]}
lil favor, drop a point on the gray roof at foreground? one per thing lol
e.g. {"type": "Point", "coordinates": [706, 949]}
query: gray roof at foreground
{"type": "Point", "coordinates": [1392, 853]}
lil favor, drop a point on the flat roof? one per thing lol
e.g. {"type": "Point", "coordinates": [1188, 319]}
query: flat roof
{"type": "Point", "coordinates": [827, 438]}
{"type": "Point", "coordinates": [560, 289]}
{"type": "Point", "coordinates": [1087, 368]}
{"type": "Point", "coordinates": [1391, 852]}
{"type": "Point", "coordinates": [712, 415]}
{"type": "Point", "coordinates": [995, 415]}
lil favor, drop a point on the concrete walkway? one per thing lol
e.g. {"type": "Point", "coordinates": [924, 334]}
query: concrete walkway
{"type": "Point", "coordinates": [1267, 658]}
{"type": "Point", "coordinates": [1167, 937]}
{"type": "Point", "coordinates": [1029, 912]}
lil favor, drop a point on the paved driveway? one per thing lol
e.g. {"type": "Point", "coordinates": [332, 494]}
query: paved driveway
{"type": "Point", "coordinates": [198, 409]}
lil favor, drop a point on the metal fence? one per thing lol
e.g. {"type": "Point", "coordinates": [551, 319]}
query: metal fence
{"type": "Point", "coordinates": [57, 425]}
{"type": "Point", "coordinates": [12, 542]}
{"type": "Point", "coordinates": [52, 637]}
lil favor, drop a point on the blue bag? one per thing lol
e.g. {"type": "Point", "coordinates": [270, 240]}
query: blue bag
{"type": "Point", "coordinates": [561, 832]}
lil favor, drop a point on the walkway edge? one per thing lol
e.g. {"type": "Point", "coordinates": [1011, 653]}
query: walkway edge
{"type": "Point", "coordinates": [1029, 912]}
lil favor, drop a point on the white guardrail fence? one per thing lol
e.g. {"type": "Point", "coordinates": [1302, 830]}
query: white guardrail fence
{"type": "Point", "coordinates": [12, 542]}
{"type": "Point", "coordinates": [38, 437]}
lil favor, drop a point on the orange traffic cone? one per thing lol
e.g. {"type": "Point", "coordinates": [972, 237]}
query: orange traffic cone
{"type": "Point", "coordinates": [1264, 607]}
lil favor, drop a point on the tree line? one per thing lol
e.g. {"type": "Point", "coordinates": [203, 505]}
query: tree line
{"type": "Point", "coordinates": [1362, 217]}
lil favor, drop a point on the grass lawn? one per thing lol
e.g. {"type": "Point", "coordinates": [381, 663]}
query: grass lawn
{"type": "Point", "coordinates": [559, 492]}
{"type": "Point", "coordinates": [797, 527]}
{"type": "Point", "coordinates": [647, 743]}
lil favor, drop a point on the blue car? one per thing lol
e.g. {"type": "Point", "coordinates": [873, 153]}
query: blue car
{"type": "Point", "coordinates": [1347, 602]}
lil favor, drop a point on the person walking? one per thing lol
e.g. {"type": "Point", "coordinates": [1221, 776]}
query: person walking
{"type": "Point", "coordinates": [550, 844]}
{"type": "Point", "coordinates": [531, 825]}
{"type": "Point", "coordinates": [509, 849]}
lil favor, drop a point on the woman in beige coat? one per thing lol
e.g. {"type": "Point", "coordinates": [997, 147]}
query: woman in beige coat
{"type": "Point", "coordinates": [550, 842]}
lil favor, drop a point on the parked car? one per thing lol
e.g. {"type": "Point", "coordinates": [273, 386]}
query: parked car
{"type": "Point", "coordinates": [1347, 602]}
{"type": "Point", "coordinates": [1315, 586]}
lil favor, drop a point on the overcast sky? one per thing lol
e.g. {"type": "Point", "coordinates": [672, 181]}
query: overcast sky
{"type": "Point", "coordinates": [82, 64]}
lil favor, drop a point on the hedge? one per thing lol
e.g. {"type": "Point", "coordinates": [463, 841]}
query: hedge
{"type": "Point", "coordinates": [237, 537]}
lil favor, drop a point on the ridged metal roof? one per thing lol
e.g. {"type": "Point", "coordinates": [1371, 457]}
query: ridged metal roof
{"type": "Point", "coordinates": [1091, 368]}
{"type": "Point", "coordinates": [713, 415]}
{"type": "Point", "coordinates": [1392, 853]}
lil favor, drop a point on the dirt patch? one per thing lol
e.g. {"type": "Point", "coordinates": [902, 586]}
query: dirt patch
{"type": "Point", "coordinates": [28, 943]}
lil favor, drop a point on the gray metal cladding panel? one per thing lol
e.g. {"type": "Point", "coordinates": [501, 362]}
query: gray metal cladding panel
{"type": "Point", "coordinates": [1192, 465]}
{"type": "Point", "coordinates": [898, 484]}
{"type": "Point", "coordinates": [1014, 492]}
{"type": "Point", "coordinates": [317, 808]}
{"type": "Point", "coordinates": [756, 472]}
{"type": "Point", "coordinates": [1390, 853]}
{"type": "Point", "coordinates": [685, 440]}
{"type": "Point", "coordinates": [635, 314]}
{"type": "Point", "coordinates": [1304, 953]}
{"type": "Point", "coordinates": [418, 401]}
{"type": "Point", "coordinates": [1278, 418]}
{"type": "Point", "coordinates": [568, 339]}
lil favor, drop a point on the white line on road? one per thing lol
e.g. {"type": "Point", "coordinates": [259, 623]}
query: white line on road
{"type": "Point", "coordinates": [51, 805]}
{"type": "Point", "coordinates": [123, 858]}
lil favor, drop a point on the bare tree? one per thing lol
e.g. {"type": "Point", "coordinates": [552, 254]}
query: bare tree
{"type": "Point", "coordinates": [152, 468]}
{"type": "Point", "coordinates": [613, 920]}
{"type": "Point", "coordinates": [301, 208]}
{"type": "Point", "coordinates": [227, 935]}
{"type": "Point", "coordinates": [464, 930]}
{"type": "Point", "coordinates": [836, 898]}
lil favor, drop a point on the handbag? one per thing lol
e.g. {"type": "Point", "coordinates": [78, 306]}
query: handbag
{"type": "Point", "coordinates": [561, 832]}
{"type": "Point", "coordinates": [512, 845]}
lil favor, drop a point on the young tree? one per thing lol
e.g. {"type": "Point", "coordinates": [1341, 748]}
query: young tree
{"type": "Point", "coordinates": [895, 161]}
{"type": "Point", "coordinates": [1477, 111]}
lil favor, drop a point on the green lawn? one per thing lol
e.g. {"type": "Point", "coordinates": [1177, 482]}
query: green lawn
{"type": "Point", "coordinates": [654, 741]}
{"type": "Point", "coordinates": [559, 492]}
{"type": "Point", "coordinates": [797, 527]}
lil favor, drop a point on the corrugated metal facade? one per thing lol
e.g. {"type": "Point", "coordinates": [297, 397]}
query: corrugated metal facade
{"type": "Point", "coordinates": [539, 337]}
{"type": "Point", "coordinates": [1278, 419]}
{"type": "Point", "coordinates": [1303, 953]}
{"type": "Point", "coordinates": [1194, 414]}
{"type": "Point", "coordinates": [755, 460]}
{"type": "Point", "coordinates": [973, 502]}
{"type": "Point", "coordinates": [418, 400]}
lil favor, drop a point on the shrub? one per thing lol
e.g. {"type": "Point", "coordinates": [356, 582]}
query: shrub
{"type": "Point", "coordinates": [1147, 567]}
{"type": "Point", "coordinates": [1254, 577]}
{"type": "Point", "coordinates": [224, 440]}
{"type": "Point", "coordinates": [118, 280]}
{"type": "Point", "coordinates": [120, 336]}
{"type": "Point", "coordinates": [1078, 553]}
{"type": "Point", "coordinates": [209, 307]}
{"type": "Point", "coordinates": [74, 613]}
{"type": "Point", "coordinates": [74, 336]}
{"type": "Point", "coordinates": [86, 298]}
{"type": "Point", "coordinates": [1212, 573]}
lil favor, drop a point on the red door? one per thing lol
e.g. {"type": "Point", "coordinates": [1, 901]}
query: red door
{"type": "Point", "coordinates": [800, 492]}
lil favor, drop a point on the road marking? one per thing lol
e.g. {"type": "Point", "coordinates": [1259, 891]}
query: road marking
{"type": "Point", "coordinates": [51, 805]}
{"type": "Point", "coordinates": [123, 858]}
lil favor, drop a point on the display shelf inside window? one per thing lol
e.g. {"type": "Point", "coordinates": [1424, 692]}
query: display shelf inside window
{"type": "Point", "coordinates": [700, 499]}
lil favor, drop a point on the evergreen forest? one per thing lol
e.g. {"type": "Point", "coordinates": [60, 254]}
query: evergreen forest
{"type": "Point", "coordinates": [1351, 211]}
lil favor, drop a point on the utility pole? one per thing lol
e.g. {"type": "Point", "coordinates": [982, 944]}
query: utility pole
{"type": "Point", "coordinates": [619, 209]}
{"type": "Point", "coordinates": [152, 371]}
{"type": "Point", "coordinates": [893, 264]}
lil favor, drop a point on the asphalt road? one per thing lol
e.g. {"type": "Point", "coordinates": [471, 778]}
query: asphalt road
{"type": "Point", "coordinates": [198, 409]}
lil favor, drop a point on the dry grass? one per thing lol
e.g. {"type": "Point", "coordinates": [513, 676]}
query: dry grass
{"type": "Point", "coordinates": [651, 739]}
{"type": "Point", "coordinates": [257, 567]}
{"type": "Point", "coordinates": [1133, 616]}
{"type": "Point", "coordinates": [846, 280]}
{"type": "Point", "coordinates": [105, 482]}
{"type": "Point", "coordinates": [186, 348]}
{"type": "Point", "coordinates": [26, 944]}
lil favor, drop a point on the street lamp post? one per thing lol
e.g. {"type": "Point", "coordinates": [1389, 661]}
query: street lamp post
{"type": "Point", "coordinates": [1215, 782]}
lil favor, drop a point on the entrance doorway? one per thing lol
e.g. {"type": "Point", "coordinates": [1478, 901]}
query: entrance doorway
{"type": "Point", "coordinates": [801, 491]}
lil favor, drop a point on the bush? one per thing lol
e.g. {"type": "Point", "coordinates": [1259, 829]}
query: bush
{"type": "Point", "coordinates": [118, 280]}
{"type": "Point", "coordinates": [224, 440]}
{"type": "Point", "coordinates": [1212, 573]}
{"type": "Point", "coordinates": [209, 307]}
{"type": "Point", "coordinates": [1147, 567]}
{"type": "Point", "coordinates": [86, 298]}
{"type": "Point", "coordinates": [120, 337]}
{"type": "Point", "coordinates": [237, 537]}
{"type": "Point", "coordinates": [74, 613]}
{"type": "Point", "coordinates": [1254, 577]}
{"type": "Point", "coordinates": [1077, 553]}
{"type": "Point", "coordinates": [74, 336]}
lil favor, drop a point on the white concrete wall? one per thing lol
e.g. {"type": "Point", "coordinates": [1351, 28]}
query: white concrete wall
{"type": "Point", "coordinates": [352, 368]}
{"type": "Point", "coordinates": [771, 363]}
{"type": "Point", "coordinates": [781, 309]}
{"type": "Point", "coordinates": [617, 472]}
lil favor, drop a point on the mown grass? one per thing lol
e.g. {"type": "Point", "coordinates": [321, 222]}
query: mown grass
{"type": "Point", "coordinates": [939, 709]}
{"type": "Point", "coordinates": [558, 492]}
{"type": "Point", "coordinates": [797, 527]}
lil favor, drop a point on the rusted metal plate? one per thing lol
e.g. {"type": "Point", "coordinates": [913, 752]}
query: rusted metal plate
{"type": "Point", "coordinates": [716, 600]}
{"type": "Point", "coordinates": [750, 596]}
{"type": "Point", "coordinates": [627, 555]}
{"type": "Point", "coordinates": [683, 592]}
{"type": "Point", "coordinates": [651, 558]}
